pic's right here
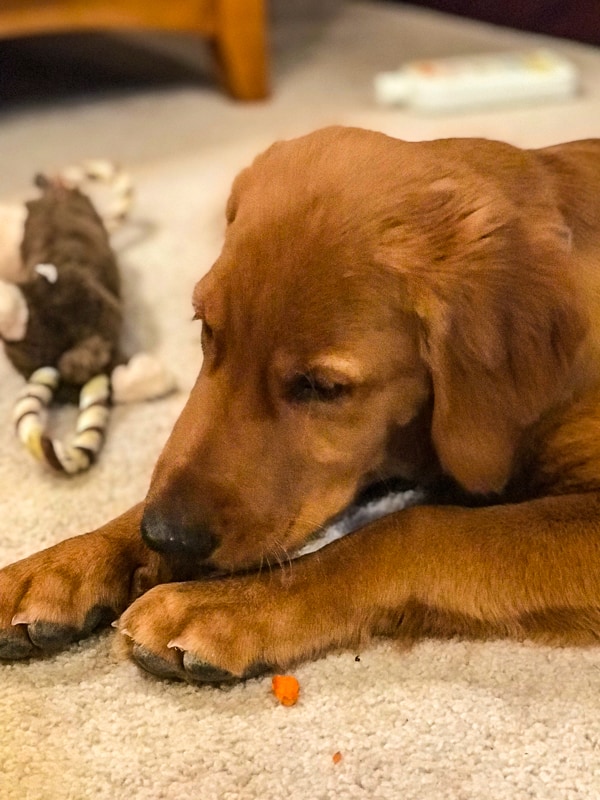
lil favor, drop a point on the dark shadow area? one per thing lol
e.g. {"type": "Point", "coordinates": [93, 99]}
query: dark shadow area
{"type": "Point", "coordinates": [70, 66]}
{"type": "Point", "coordinates": [578, 19]}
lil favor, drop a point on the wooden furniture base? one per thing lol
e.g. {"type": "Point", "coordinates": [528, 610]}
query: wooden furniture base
{"type": "Point", "coordinates": [236, 29]}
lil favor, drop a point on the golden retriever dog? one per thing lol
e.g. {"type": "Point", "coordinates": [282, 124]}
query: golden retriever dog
{"type": "Point", "coordinates": [381, 309]}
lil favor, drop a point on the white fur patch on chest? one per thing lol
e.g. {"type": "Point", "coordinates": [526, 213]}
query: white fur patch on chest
{"type": "Point", "coordinates": [358, 516]}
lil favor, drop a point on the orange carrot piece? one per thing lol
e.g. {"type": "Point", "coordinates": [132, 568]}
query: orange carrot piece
{"type": "Point", "coordinates": [337, 757]}
{"type": "Point", "coordinates": [286, 689]}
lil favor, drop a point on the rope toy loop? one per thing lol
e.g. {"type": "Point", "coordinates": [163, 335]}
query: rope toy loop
{"type": "Point", "coordinates": [30, 417]}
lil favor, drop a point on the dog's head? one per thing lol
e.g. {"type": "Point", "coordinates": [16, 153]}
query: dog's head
{"type": "Point", "coordinates": [379, 309]}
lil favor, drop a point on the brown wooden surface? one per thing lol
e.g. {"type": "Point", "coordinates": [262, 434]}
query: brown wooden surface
{"type": "Point", "coordinates": [236, 28]}
{"type": "Point", "coordinates": [241, 47]}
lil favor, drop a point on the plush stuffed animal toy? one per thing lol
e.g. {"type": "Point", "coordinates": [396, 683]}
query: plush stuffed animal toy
{"type": "Point", "coordinates": [61, 316]}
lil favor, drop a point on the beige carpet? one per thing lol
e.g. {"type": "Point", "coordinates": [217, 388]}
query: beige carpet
{"type": "Point", "coordinates": [453, 720]}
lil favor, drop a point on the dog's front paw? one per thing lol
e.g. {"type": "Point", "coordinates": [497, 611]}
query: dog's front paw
{"type": "Point", "coordinates": [223, 630]}
{"type": "Point", "coordinates": [64, 593]}
{"type": "Point", "coordinates": [210, 632]}
{"type": "Point", "coordinates": [55, 597]}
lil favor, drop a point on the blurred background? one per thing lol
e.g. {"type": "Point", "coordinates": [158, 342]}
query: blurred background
{"type": "Point", "coordinates": [137, 80]}
{"type": "Point", "coordinates": [573, 19]}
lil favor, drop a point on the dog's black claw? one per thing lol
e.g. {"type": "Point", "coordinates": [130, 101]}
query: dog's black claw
{"type": "Point", "coordinates": [154, 664]}
{"type": "Point", "coordinates": [52, 635]}
{"type": "Point", "coordinates": [200, 671]}
{"type": "Point", "coordinates": [49, 636]}
{"type": "Point", "coordinates": [255, 670]}
{"type": "Point", "coordinates": [98, 617]}
{"type": "Point", "coordinates": [13, 646]}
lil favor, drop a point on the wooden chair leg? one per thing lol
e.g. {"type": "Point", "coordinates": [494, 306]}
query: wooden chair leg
{"type": "Point", "coordinates": [241, 48]}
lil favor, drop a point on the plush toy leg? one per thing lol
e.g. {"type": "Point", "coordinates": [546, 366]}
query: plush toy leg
{"type": "Point", "coordinates": [14, 313]}
{"type": "Point", "coordinates": [29, 418]}
{"type": "Point", "coordinates": [144, 377]}
{"type": "Point", "coordinates": [88, 357]}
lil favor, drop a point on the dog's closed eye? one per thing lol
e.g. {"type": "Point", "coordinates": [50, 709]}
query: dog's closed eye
{"type": "Point", "coordinates": [307, 387]}
{"type": "Point", "coordinates": [207, 332]}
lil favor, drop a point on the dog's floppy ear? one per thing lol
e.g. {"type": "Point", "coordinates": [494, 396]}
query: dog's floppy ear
{"type": "Point", "coordinates": [234, 196]}
{"type": "Point", "coordinates": [500, 321]}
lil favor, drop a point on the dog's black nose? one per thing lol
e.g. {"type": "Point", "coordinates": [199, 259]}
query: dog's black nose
{"type": "Point", "coordinates": [166, 533]}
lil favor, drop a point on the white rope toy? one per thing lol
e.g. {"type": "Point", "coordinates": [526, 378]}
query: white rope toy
{"type": "Point", "coordinates": [29, 417]}
{"type": "Point", "coordinates": [117, 181]}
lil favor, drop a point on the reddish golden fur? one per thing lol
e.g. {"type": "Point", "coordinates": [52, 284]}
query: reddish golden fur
{"type": "Point", "coordinates": [443, 299]}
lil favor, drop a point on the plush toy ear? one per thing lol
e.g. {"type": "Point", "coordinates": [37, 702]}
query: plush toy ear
{"type": "Point", "coordinates": [501, 323]}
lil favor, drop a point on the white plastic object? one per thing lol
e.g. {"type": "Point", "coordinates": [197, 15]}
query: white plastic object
{"type": "Point", "coordinates": [449, 84]}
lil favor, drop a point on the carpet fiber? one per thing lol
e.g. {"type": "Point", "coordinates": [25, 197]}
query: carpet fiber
{"type": "Point", "coordinates": [445, 720]}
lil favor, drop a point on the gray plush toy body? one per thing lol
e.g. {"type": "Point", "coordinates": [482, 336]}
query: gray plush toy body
{"type": "Point", "coordinates": [71, 289]}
